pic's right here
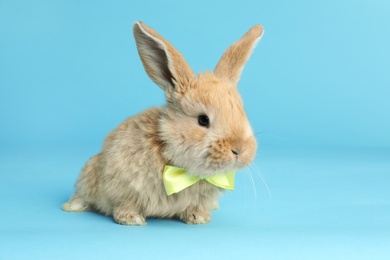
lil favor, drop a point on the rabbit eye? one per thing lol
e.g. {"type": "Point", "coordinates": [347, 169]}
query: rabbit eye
{"type": "Point", "coordinates": [203, 120]}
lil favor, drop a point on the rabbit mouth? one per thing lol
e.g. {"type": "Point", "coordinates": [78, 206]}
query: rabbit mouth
{"type": "Point", "coordinates": [223, 158]}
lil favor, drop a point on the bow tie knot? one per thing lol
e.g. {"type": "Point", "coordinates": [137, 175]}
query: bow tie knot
{"type": "Point", "coordinates": [177, 179]}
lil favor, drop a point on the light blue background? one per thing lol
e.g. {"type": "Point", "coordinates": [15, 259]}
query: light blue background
{"type": "Point", "coordinates": [316, 90]}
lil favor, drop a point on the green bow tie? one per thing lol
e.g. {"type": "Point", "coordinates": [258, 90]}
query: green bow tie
{"type": "Point", "coordinates": [177, 179]}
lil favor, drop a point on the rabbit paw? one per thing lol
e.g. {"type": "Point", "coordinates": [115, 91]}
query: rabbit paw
{"type": "Point", "coordinates": [75, 205]}
{"type": "Point", "coordinates": [197, 218]}
{"type": "Point", "coordinates": [131, 219]}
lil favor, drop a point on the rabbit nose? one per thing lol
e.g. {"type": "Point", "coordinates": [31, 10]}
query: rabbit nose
{"type": "Point", "coordinates": [234, 152]}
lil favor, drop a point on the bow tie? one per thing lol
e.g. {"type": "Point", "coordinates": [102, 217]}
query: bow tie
{"type": "Point", "coordinates": [177, 179]}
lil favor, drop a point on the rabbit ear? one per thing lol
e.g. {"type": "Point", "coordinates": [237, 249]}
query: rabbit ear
{"type": "Point", "coordinates": [162, 62]}
{"type": "Point", "coordinates": [234, 58]}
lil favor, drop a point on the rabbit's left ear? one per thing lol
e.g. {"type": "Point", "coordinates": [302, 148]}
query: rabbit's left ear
{"type": "Point", "coordinates": [234, 58]}
{"type": "Point", "coordinates": [162, 62]}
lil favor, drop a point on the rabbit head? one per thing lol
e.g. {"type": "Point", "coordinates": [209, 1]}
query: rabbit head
{"type": "Point", "coordinates": [203, 127]}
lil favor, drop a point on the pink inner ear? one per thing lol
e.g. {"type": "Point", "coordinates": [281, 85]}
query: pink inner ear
{"type": "Point", "coordinates": [153, 57]}
{"type": "Point", "coordinates": [162, 62]}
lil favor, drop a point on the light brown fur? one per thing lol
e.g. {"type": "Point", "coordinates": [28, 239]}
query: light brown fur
{"type": "Point", "coordinates": [125, 178]}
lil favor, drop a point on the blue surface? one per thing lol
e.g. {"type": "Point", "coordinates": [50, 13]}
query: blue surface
{"type": "Point", "coordinates": [323, 204]}
{"type": "Point", "coordinates": [316, 90]}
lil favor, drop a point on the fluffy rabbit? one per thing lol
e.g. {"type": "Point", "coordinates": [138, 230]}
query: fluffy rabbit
{"type": "Point", "coordinates": [202, 128]}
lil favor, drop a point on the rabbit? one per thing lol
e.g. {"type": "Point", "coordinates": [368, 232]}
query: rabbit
{"type": "Point", "coordinates": [202, 128]}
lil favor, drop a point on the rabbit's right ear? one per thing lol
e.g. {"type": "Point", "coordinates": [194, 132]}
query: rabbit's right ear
{"type": "Point", "coordinates": [162, 62]}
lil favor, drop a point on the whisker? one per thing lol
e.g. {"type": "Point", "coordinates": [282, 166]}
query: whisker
{"type": "Point", "coordinates": [261, 177]}
{"type": "Point", "coordinates": [255, 134]}
{"type": "Point", "coordinates": [250, 177]}
{"type": "Point", "coordinates": [277, 136]}
{"type": "Point", "coordinates": [267, 134]}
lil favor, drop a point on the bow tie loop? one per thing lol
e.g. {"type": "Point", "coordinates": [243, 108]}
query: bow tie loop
{"type": "Point", "coordinates": [177, 179]}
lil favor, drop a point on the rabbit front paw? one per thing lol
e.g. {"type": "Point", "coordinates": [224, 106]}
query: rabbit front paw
{"type": "Point", "coordinates": [197, 218]}
{"type": "Point", "coordinates": [131, 219]}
